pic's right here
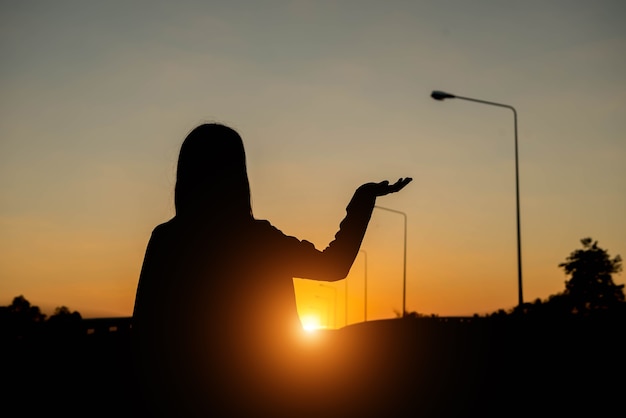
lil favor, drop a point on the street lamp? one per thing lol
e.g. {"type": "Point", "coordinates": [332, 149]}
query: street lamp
{"type": "Point", "coordinates": [325, 299]}
{"type": "Point", "coordinates": [364, 289]}
{"type": "Point", "coordinates": [346, 290]}
{"type": "Point", "coordinates": [335, 302]}
{"type": "Point", "coordinates": [442, 95]}
{"type": "Point", "coordinates": [404, 268]}
{"type": "Point", "coordinates": [346, 302]}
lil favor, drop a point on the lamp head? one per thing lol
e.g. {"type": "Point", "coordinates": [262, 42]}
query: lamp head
{"type": "Point", "coordinates": [441, 95]}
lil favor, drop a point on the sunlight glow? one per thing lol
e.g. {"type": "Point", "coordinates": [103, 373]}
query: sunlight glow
{"type": "Point", "coordinates": [310, 323]}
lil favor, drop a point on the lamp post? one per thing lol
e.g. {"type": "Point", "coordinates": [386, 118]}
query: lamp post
{"type": "Point", "coordinates": [335, 303]}
{"type": "Point", "coordinates": [404, 262]}
{"type": "Point", "coordinates": [345, 302]}
{"type": "Point", "coordinates": [442, 95]}
{"type": "Point", "coordinates": [346, 290]}
{"type": "Point", "coordinates": [325, 299]}
{"type": "Point", "coordinates": [364, 290]}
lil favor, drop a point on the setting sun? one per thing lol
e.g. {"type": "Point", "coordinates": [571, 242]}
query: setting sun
{"type": "Point", "coordinates": [310, 323]}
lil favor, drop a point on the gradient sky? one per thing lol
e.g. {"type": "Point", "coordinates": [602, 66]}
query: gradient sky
{"type": "Point", "coordinates": [96, 98]}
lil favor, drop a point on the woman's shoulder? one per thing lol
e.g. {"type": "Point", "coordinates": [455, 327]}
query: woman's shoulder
{"type": "Point", "coordinates": [165, 225]}
{"type": "Point", "coordinates": [164, 228]}
{"type": "Point", "coordinates": [263, 225]}
{"type": "Point", "coordinates": [265, 229]}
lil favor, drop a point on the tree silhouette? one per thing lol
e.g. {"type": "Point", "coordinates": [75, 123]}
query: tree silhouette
{"type": "Point", "coordinates": [22, 308]}
{"type": "Point", "coordinates": [20, 319]}
{"type": "Point", "coordinates": [64, 313]}
{"type": "Point", "coordinates": [65, 323]}
{"type": "Point", "coordinates": [591, 288]}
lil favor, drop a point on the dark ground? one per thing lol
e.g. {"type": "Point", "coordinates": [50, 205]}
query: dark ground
{"type": "Point", "coordinates": [430, 367]}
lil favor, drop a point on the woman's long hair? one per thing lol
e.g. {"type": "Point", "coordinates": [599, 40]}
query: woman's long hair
{"type": "Point", "coordinates": [212, 178]}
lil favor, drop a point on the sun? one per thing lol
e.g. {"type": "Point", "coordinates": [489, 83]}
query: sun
{"type": "Point", "coordinates": [311, 323]}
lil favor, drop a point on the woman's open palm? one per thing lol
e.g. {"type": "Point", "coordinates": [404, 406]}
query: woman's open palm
{"type": "Point", "coordinates": [384, 188]}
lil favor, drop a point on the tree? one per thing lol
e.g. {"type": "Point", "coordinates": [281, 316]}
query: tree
{"type": "Point", "coordinates": [591, 288]}
{"type": "Point", "coordinates": [65, 323]}
{"type": "Point", "coordinates": [20, 307]}
{"type": "Point", "coordinates": [63, 316]}
{"type": "Point", "coordinates": [64, 312]}
{"type": "Point", "coordinates": [20, 319]}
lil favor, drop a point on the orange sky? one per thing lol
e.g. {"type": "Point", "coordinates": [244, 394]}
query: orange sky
{"type": "Point", "coordinates": [96, 99]}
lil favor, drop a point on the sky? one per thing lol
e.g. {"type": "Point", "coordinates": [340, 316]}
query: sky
{"type": "Point", "coordinates": [96, 98]}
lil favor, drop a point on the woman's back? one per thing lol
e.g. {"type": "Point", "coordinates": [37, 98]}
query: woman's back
{"type": "Point", "coordinates": [215, 307]}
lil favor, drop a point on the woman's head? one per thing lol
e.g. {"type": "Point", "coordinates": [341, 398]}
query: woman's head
{"type": "Point", "coordinates": [211, 177]}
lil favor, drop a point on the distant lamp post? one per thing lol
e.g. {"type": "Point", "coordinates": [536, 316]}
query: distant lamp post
{"type": "Point", "coordinates": [346, 290]}
{"type": "Point", "coordinates": [364, 289]}
{"type": "Point", "coordinates": [404, 262]}
{"type": "Point", "coordinates": [345, 302]}
{"type": "Point", "coordinates": [325, 299]}
{"type": "Point", "coordinates": [335, 302]}
{"type": "Point", "coordinates": [442, 95]}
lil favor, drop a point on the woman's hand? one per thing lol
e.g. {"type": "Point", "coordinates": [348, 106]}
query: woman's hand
{"type": "Point", "coordinates": [383, 188]}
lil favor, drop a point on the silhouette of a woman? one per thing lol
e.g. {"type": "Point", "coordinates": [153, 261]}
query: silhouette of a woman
{"type": "Point", "coordinates": [215, 311]}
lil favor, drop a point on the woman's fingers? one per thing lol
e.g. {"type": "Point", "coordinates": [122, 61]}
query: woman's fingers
{"type": "Point", "coordinates": [399, 185]}
{"type": "Point", "coordinates": [403, 182]}
{"type": "Point", "coordinates": [384, 187]}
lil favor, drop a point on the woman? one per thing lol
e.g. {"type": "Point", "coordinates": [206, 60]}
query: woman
{"type": "Point", "coordinates": [215, 318]}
